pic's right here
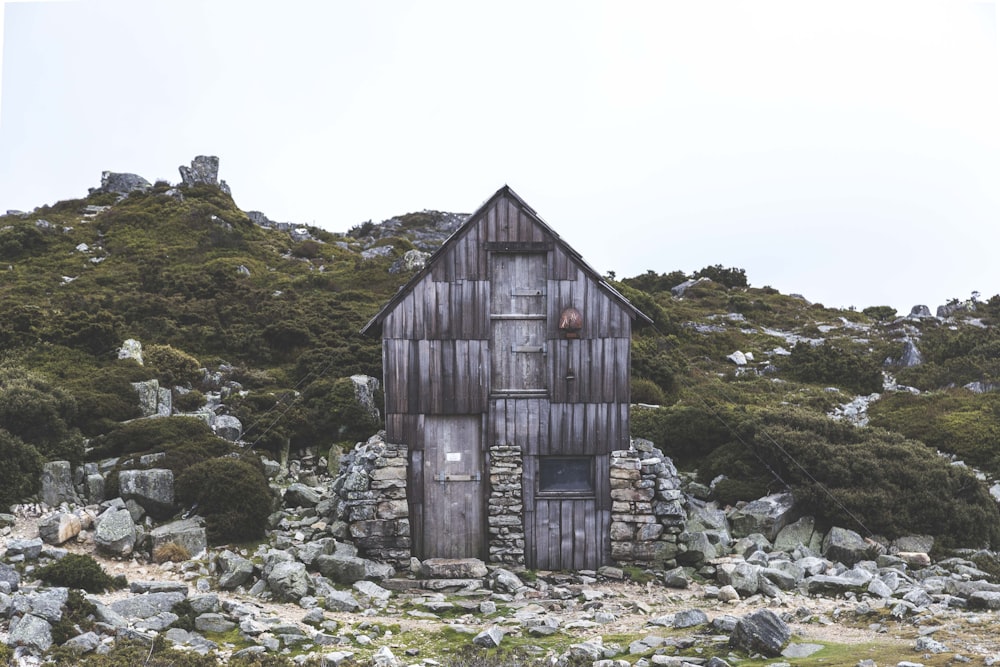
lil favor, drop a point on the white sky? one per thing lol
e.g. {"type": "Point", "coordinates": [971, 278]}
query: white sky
{"type": "Point", "coordinates": [847, 151]}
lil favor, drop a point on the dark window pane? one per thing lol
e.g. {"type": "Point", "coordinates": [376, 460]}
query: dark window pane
{"type": "Point", "coordinates": [565, 475]}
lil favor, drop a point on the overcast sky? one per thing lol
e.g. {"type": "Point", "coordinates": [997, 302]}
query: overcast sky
{"type": "Point", "coordinates": [846, 151]}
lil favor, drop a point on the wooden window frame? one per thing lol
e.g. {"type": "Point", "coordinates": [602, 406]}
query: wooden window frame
{"type": "Point", "coordinates": [590, 492]}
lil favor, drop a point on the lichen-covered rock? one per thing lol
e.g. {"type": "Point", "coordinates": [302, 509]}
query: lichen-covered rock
{"type": "Point", "coordinates": [188, 533]}
{"type": "Point", "coordinates": [289, 581]}
{"type": "Point", "coordinates": [122, 183]}
{"type": "Point", "coordinates": [152, 489]}
{"type": "Point", "coordinates": [766, 516]}
{"type": "Point", "coordinates": [115, 532]}
{"type": "Point", "coordinates": [234, 570]}
{"type": "Point", "coordinates": [31, 631]}
{"type": "Point", "coordinates": [846, 546]}
{"type": "Point", "coordinates": [57, 484]}
{"type": "Point", "coordinates": [761, 632]}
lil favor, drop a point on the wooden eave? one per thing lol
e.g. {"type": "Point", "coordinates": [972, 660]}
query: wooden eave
{"type": "Point", "coordinates": [375, 323]}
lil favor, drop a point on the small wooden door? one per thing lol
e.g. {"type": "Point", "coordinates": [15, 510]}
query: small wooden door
{"type": "Point", "coordinates": [453, 525]}
{"type": "Point", "coordinates": [518, 316]}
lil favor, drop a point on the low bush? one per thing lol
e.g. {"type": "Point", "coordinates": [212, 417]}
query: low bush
{"type": "Point", "coordinates": [866, 479]}
{"type": "Point", "coordinates": [78, 571]}
{"type": "Point", "coordinates": [171, 366]}
{"type": "Point", "coordinates": [189, 401]}
{"type": "Point", "coordinates": [78, 616]}
{"type": "Point", "coordinates": [149, 435]}
{"type": "Point", "coordinates": [839, 364]}
{"type": "Point", "coordinates": [20, 474]}
{"type": "Point", "coordinates": [231, 493]}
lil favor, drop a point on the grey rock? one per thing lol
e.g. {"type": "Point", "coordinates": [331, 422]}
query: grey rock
{"type": "Point", "coordinates": [365, 388]}
{"type": "Point", "coordinates": [911, 355]}
{"type": "Point", "coordinates": [289, 581]}
{"type": "Point", "coordinates": [30, 548]}
{"type": "Point", "coordinates": [123, 183]}
{"type": "Point", "coordinates": [453, 568]}
{"type": "Point", "coordinates": [115, 532]}
{"type": "Point", "coordinates": [369, 589]}
{"type": "Point", "coordinates": [9, 577]}
{"type": "Point", "coordinates": [188, 533]}
{"type": "Point", "coordinates": [340, 568]}
{"type": "Point", "coordinates": [801, 532]}
{"type": "Point", "coordinates": [334, 600]}
{"type": "Point", "coordinates": [504, 580]}
{"type": "Point", "coordinates": [689, 618]}
{"type": "Point", "coordinates": [228, 427]}
{"type": "Point", "coordinates": [131, 349]}
{"type": "Point", "coordinates": [920, 312]}
{"type": "Point", "coordinates": [212, 622]}
{"type": "Point", "coordinates": [48, 605]}
{"type": "Point", "coordinates": [83, 643]}
{"type": "Point", "coordinates": [204, 170]}
{"type": "Point", "coordinates": [146, 605]}
{"type": "Point", "coordinates": [32, 632]}
{"type": "Point", "coordinates": [681, 290]}
{"type": "Point", "coordinates": [300, 495]}
{"type": "Point", "coordinates": [234, 570]}
{"type": "Point", "coordinates": [766, 516]}
{"type": "Point", "coordinates": [742, 576]}
{"type": "Point", "coordinates": [846, 546]}
{"type": "Point", "coordinates": [984, 600]}
{"type": "Point", "coordinates": [57, 484]}
{"type": "Point", "coordinates": [761, 632]}
{"type": "Point", "coordinates": [490, 637]}
{"type": "Point", "coordinates": [153, 400]}
{"type": "Point", "coordinates": [676, 578]}
{"type": "Point", "coordinates": [153, 489]}
{"type": "Point", "coordinates": [929, 645]}
{"type": "Point", "coordinates": [795, 650]}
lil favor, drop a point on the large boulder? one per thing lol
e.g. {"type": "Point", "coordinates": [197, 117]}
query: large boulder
{"type": "Point", "coordinates": [742, 576]}
{"type": "Point", "coordinates": [122, 183]}
{"type": "Point", "coordinates": [228, 427]}
{"type": "Point", "coordinates": [289, 581]}
{"type": "Point", "coordinates": [766, 516]}
{"type": "Point", "coordinates": [234, 570]}
{"type": "Point", "coordinates": [153, 489]}
{"type": "Point", "coordinates": [188, 533]}
{"type": "Point", "coordinates": [341, 568]}
{"type": "Point", "coordinates": [154, 400]}
{"type": "Point", "coordinates": [115, 532]}
{"type": "Point", "coordinates": [365, 388]}
{"type": "Point", "coordinates": [32, 632]}
{"type": "Point", "coordinates": [453, 568]}
{"type": "Point", "coordinates": [131, 349]}
{"type": "Point", "coordinates": [761, 632]}
{"type": "Point", "coordinates": [204, 170]}
{"type": "Point", "coordinates": [799, 533]}
{"type": "Point", "coordinates": [57, 484]}
{"type": "Point", "coordinates": [147, 605]}
{"type": "Point", "coordinates": [300, 495]}
{"type": "Point", "coordinates": [847, 547]}
{"type": "Point", "coordinates": [9, 576]}
{"type": "Point", "coordinates": [59, 527]}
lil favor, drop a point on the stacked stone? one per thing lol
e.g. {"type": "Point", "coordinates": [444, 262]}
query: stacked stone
{"type": "Point", "coordinates": [373, 503]}
{"type": "Point", "coordinates": [647, 512]}
{"type": "Point", "coordinates": [506, 507]}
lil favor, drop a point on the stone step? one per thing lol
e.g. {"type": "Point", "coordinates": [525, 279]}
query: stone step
{"type": "Point", "coordinates": [465, 586]}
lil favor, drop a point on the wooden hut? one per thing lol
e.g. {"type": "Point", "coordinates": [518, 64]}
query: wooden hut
{"type": "Point", "coordinates": [508, 347]}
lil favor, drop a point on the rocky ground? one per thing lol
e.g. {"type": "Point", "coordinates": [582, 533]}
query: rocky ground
{"type": "Point", "coordinates": [837, 617]}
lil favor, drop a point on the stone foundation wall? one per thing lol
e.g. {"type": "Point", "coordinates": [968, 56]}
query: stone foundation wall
{"type": "Point", "coordinates": [505, 506]}
{"type": "Point", "coordinates": [372, 505]}
{"type": "Point", "coordinates": [647, 511]}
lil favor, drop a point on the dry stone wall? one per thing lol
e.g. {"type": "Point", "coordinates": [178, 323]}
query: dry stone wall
{"type": "Point", "coordinates": [647, 507]}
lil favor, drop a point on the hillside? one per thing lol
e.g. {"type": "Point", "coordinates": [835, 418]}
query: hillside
{"type": "Point", "coordinates": [260, 320]}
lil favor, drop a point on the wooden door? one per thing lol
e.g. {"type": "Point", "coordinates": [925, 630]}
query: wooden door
{"type": "Point", "coordinates": [518, 316]}
{"type": "Point", "coordinates": [453, 525]}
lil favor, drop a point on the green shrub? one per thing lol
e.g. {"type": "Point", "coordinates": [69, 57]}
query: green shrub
{"type": "Point", "coordinates": [78, 616]}
{"type": "Point", "coordinates": [78, 571]}
{"type": "Point", "coordinates": [647, 391]}
{"type": "Point", "coordinates": [239, 513]}
{"type": "Point", "coordinates": [843, 475]}
{"type": "Point", "coordinates": [189, 401]}
{"type": "Point", "coordinates": [731, 277]}
{"type": "Point", "coordinates": [837, 364]}
{"type": "Point", "coordinates": [40, 414]}
{"type": "Point", "coordinates": [20, 474]}
{"type": "Point", "coordinates": [151, 435]}
{"type": "Point", "coordinates": [130, 653]}
{"type": "Point", "coordinates": [171, 366]}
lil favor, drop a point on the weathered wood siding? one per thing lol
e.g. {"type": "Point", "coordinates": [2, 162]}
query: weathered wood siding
{"type": "Point", "coordinates": [499, 286]}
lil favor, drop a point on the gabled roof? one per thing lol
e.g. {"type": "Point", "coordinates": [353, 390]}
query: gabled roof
{"type": "Point", "coordinates": [376, 322]}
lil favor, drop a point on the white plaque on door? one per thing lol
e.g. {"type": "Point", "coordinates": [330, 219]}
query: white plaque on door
{"type": "Point", "coordinates": [453, 456]}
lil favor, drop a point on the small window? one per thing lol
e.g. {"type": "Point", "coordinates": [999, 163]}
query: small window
{"type": "Point", "coordinates": [561, 475]}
